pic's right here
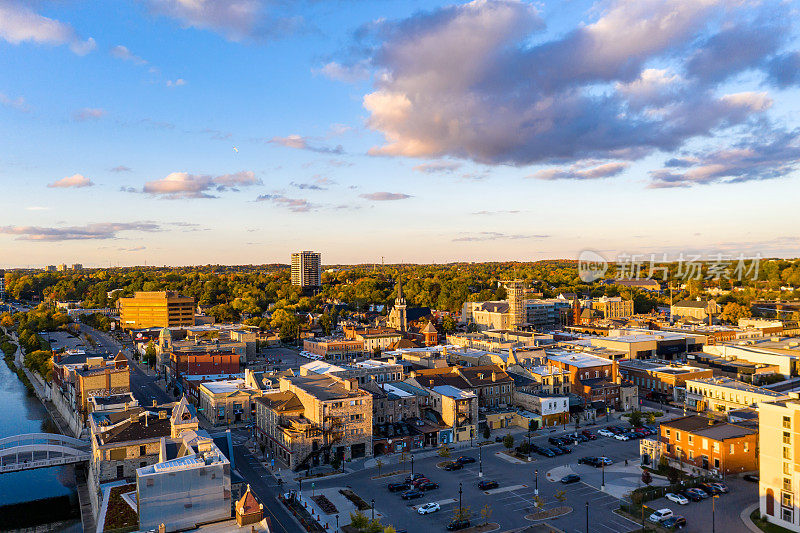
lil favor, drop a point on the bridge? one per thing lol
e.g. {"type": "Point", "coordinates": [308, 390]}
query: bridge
{"type": "Point", "coordinates": [41, 450]}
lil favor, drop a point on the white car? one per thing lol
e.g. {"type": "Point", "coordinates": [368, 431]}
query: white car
{"type": "Point", "coordinates": [606, 433]}
{"type": "Point", "coordinates": [428, 508]}
{"type": "Point", "coordinates": [621, 437]}
{"type": "Point", "coordinates": [677, 498]}
{"type": "Point", "coordinates": [660, 515]}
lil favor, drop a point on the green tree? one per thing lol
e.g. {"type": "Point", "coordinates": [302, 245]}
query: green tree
{"type": "Point", "coordinates": [635, 418]}
{"type": "Point", "coordinates": [650, 416]}
{"type": "Point", "coordinates": [508, 441]}
{"type": "Point", "coordinates": [486, 513]}
{"type": "Point", "coordinates": [561, 496]}
{"type": "Point", "coordinates": [359, 520]}
{"type": "Point", "coordinates": [448, 324]}
{"type": "Point", "coordinates": [150, 354]}
{"type": "Point", "coordinates": [486, 432]}
{"type": "Point", "coordinates": [444, 451]}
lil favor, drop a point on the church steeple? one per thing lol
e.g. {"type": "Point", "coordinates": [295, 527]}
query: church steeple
{"type": "Point", "coordinates": [400, 300]}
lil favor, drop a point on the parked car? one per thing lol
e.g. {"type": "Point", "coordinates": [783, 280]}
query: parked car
{"type": "Point", "coordinates": [660, 515]}
{"type": "Point", "coordinates": [556, 450]}
{"type": "Point", "coordinates": [452, 465]}
{"type": "Point", "coordinates": [570, 478]}
{"type": "Point", "coordinates": [722, 487]}
{"type": "Point", "coordinates": [752, 478]}
{"type": "Point", "coordinates": [428, 485]}
{"type": "Point", "coordinates": [412, 494]}
{"type": "Point", "coordinates": [621, 436]}
{"type": "Point", "coordinates": [709, 488]}
{"type": "Point", "coordinates": [398, 487]}
{"type": "Point", "coordinates": [554, 440]}
{"type": "Point", "coordinates": [488, 484]}
{"type": "Point", "coordinates": [564, 449]}
{"type": "Point", "coordinates": [674, 522]}
{"type": "Point", "coordinates": [455, 525]}
{"type": "Point", "coordinates": [465, 460]}
{"type": "Point", "coordinates": [605, 461]}
{"type": "Point", "coordinates": [606, 433]}
{"type": "Point", "coordinates": [428, 508]}
{"type": "Point", "coordinates": [592, 461]}
{"type": "Point", "coordinates": [677, 498]}
{"type": "Point", "coordinates": [588, 434]}
{"type": "Point", "coordinates": [695, 495]}
{"type": "Point", "coordinates": [498, 439]}
{"type": "Point", "coordinates": [420, 481]}
{"type": "Point", "coordinates": [414, 477]}
{"type": "Point", "coordinates": [547, 452]}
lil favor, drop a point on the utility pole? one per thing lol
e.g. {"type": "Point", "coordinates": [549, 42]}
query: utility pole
{"type": "Point", "coordinates": [536, 489]}
{"type": "Point", "coordinates": [460, 512]}
{"type": "Point", "coordinates": [587, 517]}
{"type": "Point", "coordinates": [480, 460]}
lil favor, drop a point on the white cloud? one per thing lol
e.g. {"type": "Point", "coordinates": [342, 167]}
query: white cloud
{"type": "Point", "coordinates": [76, 181]}
{"type": "Point", "coordinates": [19, 24]}
{"type": "Point", "coordinates": [385, 196]}
{"type": "Point", "coordinates": [176, 83]}
{"type": "Point", "coordinates": [17, 103]}
{"type": "Point", "coordinates": [346, 73]}
{"type": "Point", "coordinates": [178, 185]}
{"type": "Point", "coordinates": [88, 113]}
{"type": "Point", "coordinates": [122, 52]}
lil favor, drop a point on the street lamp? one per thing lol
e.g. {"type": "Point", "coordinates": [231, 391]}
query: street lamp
{"type": "Point", "coordinates": [713, 513]}
{"type": "Point", "coordinates": [372, 501]}
{"type": "Point", "coordinates": [587, 517]}
{"type": "Point", "coordinates": [536, 489]}
{"type": "Point", "coordinates": [412, 467]}
{"type": "Point", "coordinates": [459, 500]}
{"type": "Point", "coordinates": [480, 460]}
{"type": "Point", "coordinates": [603, 481]}
{"type": "Point", "coordinates": [337, 524]}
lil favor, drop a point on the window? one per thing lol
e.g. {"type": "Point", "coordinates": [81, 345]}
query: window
{"type": "Point", "coordinates": [787, 468]}
{"type": "Point", "coordinates": [787, 484]}
{"type": "Point", "coordinates": [787, 422]}
{"type": "Point", "coordinates": [786, 515]}
{"type": "Point", "coordinates": [667, 433]}
{"type": "Point", "coordinates": [787, 454]}
{"type": "Point", "coordinates": [731, 450]}
{"type": "Point", "coordinates": [716, 462]}
{"type": "Point", "coordinates": [677, 436]}
{"type": "Point", "coordinates": [746, 447]}
{"type": "Point", "coordinates": [691, 439]}
{"type": "Point", "coordinates": [691, 455]}
{"type": "Point", "coordinates": [120, 471]}
{"type": "Point", "coordinates": [787, 437]}
{"type": "Point", "coordinates": [786, 499]}
{"type": "Point", "coordinates": [705, 444]}
{"type": "Point", "coordinates": [716, 447]}
{"type": "Point", "coordinates": [143, 450]}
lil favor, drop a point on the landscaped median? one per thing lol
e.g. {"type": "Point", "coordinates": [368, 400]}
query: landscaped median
{"type": "Point", "coordinates": [763, 525]}
{"type": "Point", "coordinates": [544, 514]}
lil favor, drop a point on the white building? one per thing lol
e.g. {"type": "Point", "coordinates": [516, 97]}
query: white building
{"type": "Point", "coordinates": [779, 469]}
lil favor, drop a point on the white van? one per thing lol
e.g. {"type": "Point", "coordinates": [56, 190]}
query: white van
{"type": "Point", "coordinates": [660, 515]}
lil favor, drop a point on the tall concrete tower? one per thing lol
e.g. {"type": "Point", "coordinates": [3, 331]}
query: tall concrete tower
{"type": "Point", "coordinates": [516, 303]}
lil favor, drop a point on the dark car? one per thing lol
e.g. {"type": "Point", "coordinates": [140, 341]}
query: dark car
{"type": "Point", "coordinates": [709, 488]}
{"type": "Point", "coordinates": [556, 450]}
{"type": "Point", "coordinates": [674, 522]}
{"type": "Point", "coordinates": [695, 495]}
{"type": "Point", "coordinates": [428, 485]}
{"type": "Point", "coordinates": [452, 465]}
{"type": "Point", "coordinates": [488, 484]}
{"type": "Point", "coordinates": [588, 434]}
{"type": "Point", "coordinates": [564, 449]}
{"type": "Point", "coordinates": [555, 440]}
{"type": "Point", "coordinates": [412, 494]}
{"type": "Point", "coordinates": [420, 481]}
{"type": "Point", "coordinates": [547, 452]}
{"type": "Point", "coordinates": [592, 461]}
{"type": "Point", "coordinates": [498, 439]}
{"type": "Point", "coordinates": [605, 461]}
{"type": "Point", "coordinates": [414, 477]}
{"type": "Point", "coordinates": [465, 460]}
{"type": "Point", "coordinates": [455, 525]}
{"type": "Point", "coordinates": [752, 478]}
{"type": "Point", "coordinates": [570, 478]}
{"type": "Point", "coordinates": [397, 487]}
{"type": "Point", "coordinates": [581, 438]}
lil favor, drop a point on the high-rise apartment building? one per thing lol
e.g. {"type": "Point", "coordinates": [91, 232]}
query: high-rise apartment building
{"type": "Point", "coordinates": [156, 309]}
{"type": "Point", "coordinates": [2, 285]}
{"type": "Point", "coordinates": [307, 269]}
{"type": "Point", "coordinates": [778, 452]}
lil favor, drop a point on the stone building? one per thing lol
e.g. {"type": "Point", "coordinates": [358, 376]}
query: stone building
{"type": "Point", "coordinates": [314, 418]}
{"type": "Point", "coordinates": [227, 402]}
{"type": "Point", "coordinates": [102, 380]}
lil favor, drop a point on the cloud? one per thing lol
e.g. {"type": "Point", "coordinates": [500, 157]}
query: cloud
{"type": "Point", "coordinates": [180, 82]}
{"type": "Point", "coordinates": [298, 142]}
{"type": "Point", "coordinates": [122, 52]}
{"type": "Point", "coordinates": [319, 184]}
{"type": "Point", "coordinates": [19, 24]}
{"type": "Point", "coordinates": [88, 113]}
{"type": "Point", "coordinates": [76, 181]}
{"type": "Point", "coordinates": [784, 69]}
{"type": "Point", "coordinates": [97, 231]}
{"type": "Point", "coordinates": [500, 212]}
{"type": "Point", "coordinates": [182, 185]}
{"type": "Point", "coordinates": [17, 103]}
{"type": "Point", "coordinates": [134, 249]}
{"type": "Point", "coordinates": [236, 20]}
{"type": "Point", "coordinates": [494, 235]}
{"type": "Point", "coordinates": [385, 196]}
{"type": "Point", "coordinates": [575, 172]}
{"type": "Point", "coordinates": [120, 168]}
{"type": "Point", "coordinates": [297, 205]}
{"type": "Point", "coordinates": [760, 157]}
{"type": "Point", "coordinates": [482, 82]}
{"type": "Point", "coordinates": [438, 166]}
{"type": "Point", "coordinates": [346, 73]}
{"type": "Point", "coordinates": [37, 208]}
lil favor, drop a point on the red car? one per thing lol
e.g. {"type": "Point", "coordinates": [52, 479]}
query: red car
{"type": "Point", "coordinates": [588, 434]}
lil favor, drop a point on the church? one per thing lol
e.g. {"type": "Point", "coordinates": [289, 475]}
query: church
{"type": "Point", "coordinates": [415, 322]}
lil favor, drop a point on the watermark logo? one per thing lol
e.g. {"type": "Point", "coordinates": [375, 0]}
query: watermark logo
{"type": "Point", "coordinates": [591, 266]}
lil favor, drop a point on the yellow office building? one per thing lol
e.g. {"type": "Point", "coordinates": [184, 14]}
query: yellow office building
{"type": "Point", "coordinates": [156, 309]}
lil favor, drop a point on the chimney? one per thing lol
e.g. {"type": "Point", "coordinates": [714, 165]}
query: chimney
{"type": "Point", "coordinates": [155, 403]}
{"type": "Point", "coordinates": [494, 376]}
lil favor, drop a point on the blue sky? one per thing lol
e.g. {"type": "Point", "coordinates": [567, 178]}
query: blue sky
{"type": "Point", "coordinates": [190, 131]}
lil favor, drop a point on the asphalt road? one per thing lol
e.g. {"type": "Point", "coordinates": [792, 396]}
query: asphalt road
{"type": "Point", "coordinates": [513, 499]}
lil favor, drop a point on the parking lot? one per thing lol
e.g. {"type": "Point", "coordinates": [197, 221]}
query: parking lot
{"type": "Point", "coordinates": [727, 508]}
{"type": "Point", "coordinates": [514, 498]}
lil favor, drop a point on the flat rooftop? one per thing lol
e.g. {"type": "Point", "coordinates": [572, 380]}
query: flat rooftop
{"type": "Point", "coordinates": [581, 360]}
{"type": "Point", "coordinates": [730, 383]}
{"type": "Point", "coordinates": [226, 386]}
{"type": "Point", "coordinates": [453, 392]}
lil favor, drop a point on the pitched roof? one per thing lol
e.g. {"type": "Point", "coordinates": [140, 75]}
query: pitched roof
{"type": "Point", "coordinates": [429, 328]}
{"type": "Point", "coordinates": [282, 401]}
{"type": "Point", "coordinates": [248, 503]}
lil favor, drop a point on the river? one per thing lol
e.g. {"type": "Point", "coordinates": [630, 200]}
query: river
{"type": "Point", "coordinates": [23, 413]}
